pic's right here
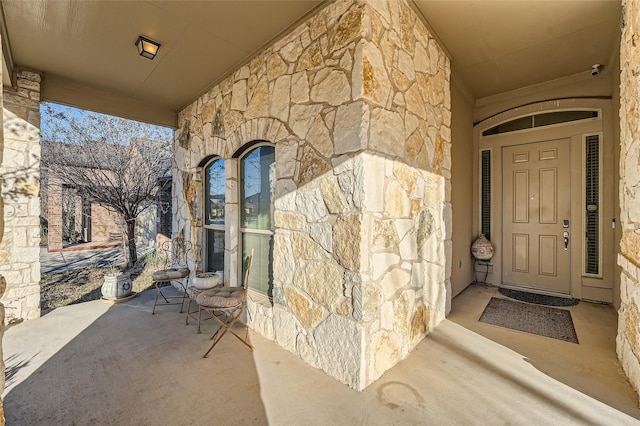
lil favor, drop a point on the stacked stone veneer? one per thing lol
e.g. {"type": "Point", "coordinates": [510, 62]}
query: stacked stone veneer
{"type": "Point", "coordinates": [20, 171]}
{"type": "Point", "coordinates": [357, 103]}
{"type": "Point", "coordinates": [3, 282]}
{"type": "Point", "coordinates": [628, 340]}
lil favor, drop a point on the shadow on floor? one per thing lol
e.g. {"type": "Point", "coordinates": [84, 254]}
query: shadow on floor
{"type": "Point", "coordinates": [94, 363]}
{"type": "Point", "coordinates": [118, 364]}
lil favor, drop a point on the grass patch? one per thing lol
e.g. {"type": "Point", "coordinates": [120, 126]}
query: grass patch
{"type": "Point", "coordinates": [83, 285]}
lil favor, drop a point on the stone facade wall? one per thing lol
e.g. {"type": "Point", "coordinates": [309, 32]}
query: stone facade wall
{"type": "Point", "coordinates": [357, 103]}
{"type": "Point", "coordinates": [406, 239]}
{"type": "Point", "coordinates": [3, 282]}
{"type": "Point", "coordinates": [628, 340]}
{"type": "Point", "coordinates": [20, 170]}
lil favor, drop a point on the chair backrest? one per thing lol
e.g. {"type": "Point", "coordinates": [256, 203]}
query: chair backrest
{"type": "Point", "coordinates": [248, 261]}
{"type": "Point", "coordinates": [176, 252]}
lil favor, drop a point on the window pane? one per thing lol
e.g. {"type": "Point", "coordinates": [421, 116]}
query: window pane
{"type": "Point", "coordinates": [557, 117]}
{"type": "Point", "coordinates": [510, 126]}
{"type": "Point", "coordinates": [261, 277]}
{"type": "Point", "coordinates": [215, 179]}
{"type": "Point", "coordinates": [485, 198]}
{"type": "Point", "coordinates": [592, 199]}
{"type": "Point", "coordinates": [258, 178]}
{"type": "Point", "coordinates": [215, 250]}
{"type": "Point", "coordinates": [163, 219]}
{"type": "Point", "coordinates": [540, 120]}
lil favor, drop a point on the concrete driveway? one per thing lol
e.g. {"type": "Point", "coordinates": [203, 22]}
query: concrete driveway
{"type": "Point", "coordinates": [77, 259]}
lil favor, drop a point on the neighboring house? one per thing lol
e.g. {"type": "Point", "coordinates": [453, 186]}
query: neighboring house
{"type": "Point", "coordinates": [71, 220]}
{"type": "Point", "coordinates": [360, 150]}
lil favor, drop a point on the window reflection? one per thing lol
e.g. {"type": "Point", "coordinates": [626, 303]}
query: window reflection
{"type": "Point", "coordinates": [215, 250]}
{"type": "Point", "coordinates": [257, 188]}
{"type": "Point", "coordinates": [214, 202]}
{"type": "Point", "coordinates": [257, 171]}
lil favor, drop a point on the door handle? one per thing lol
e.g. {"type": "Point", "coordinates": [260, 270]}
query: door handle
{"type": "Point", "coordinates": [565, 236]}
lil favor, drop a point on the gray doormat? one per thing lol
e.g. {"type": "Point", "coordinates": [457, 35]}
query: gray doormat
{"type": "Point", "coordinates": [534, 319]}
{"type": "Point", "coordinates": [538, 299]}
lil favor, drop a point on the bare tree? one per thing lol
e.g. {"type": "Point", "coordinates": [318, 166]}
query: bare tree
{"type": "Point", "coordinates": [116, 163]}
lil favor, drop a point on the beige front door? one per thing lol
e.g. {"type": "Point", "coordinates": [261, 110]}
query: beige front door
{"type": "Point", "coordinates": [536, 212]}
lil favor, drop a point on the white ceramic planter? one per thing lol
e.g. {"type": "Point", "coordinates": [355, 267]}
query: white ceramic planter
{"type": "Point", "coordinates": [206, 280]}
{"type": "Point", "coordinates": [116, 286]}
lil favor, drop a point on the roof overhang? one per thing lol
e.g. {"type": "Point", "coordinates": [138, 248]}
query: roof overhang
{"type": "Point", "coordinates": [86, 52]}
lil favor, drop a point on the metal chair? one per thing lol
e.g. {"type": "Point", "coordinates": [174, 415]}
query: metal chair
{"type": "Point", "coordinates": [225, 305]}
{"type": "Point", "coordinates": [176, 269]}
{"type": "Point", "coordinates": [212, 280]}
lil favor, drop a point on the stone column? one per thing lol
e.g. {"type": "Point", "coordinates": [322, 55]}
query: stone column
{"type": "Point", "coordinates": [628, 340]}
{"type": "Point", "coordinates": [19, 250]}
{"type": "Point", "coordinates": [356, 101]}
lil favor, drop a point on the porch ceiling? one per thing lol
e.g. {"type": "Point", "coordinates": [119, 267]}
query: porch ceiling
{"type": "Point", "coordinates": [498, 46]}
{"type": "Point", "coordinates": [86, 49]}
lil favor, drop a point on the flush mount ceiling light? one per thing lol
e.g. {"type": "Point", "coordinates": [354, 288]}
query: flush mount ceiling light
{"type": "Point", "coordinates": [147, 47]}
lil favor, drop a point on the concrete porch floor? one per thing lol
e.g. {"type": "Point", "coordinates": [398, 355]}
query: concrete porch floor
{"type": "Point", "coordinates": [95, 363]}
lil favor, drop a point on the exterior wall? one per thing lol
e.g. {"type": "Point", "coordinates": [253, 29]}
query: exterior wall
{"type": "Point", "coordinates": [628, 340]}
{"type": "Point", "coordinates": [53, 194]}
{"type": "Point", "coordinates": [406, 210]}
{"type": "Point", "coordinates": [3, 282]}
{"type": "Point", "coordinates": [146, 228]}
{"type": "Point", "coordinates": [19, 250]}
{"type": "Point", "coordinates": [103, 223]}
{"type": "Point", "coordinates": [462, 197]}
{"type": "Point", "coordinates": [357, 103]}
{"type": "Point", "coordinates": [617, 234]}
{"type": "Point", "coordinates": [575, 86]}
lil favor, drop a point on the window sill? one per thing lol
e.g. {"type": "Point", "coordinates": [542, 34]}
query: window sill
{"type": "Point", "coordinates": [259, 298]}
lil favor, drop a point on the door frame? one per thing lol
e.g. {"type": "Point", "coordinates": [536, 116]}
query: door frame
{"type": "Point", "coordinates": [583, 286]}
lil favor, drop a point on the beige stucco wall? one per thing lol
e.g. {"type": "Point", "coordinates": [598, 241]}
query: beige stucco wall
{"type": "Point", "coordinates": [462, 194]}
{"type": "Point", "coordinates": [628, 340]}
{"type": "Point", "coordinates": [19, 249]}
{"type": "Point", "coordinates": [357, 103]}
{"type": "Point", "coordinates": [617, 233]}
{"type": "Point", "coordinates": [576, 86]}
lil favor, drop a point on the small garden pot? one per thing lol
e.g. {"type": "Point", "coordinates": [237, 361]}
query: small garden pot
{"type": "Point", "coordinates": [116, 286]}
